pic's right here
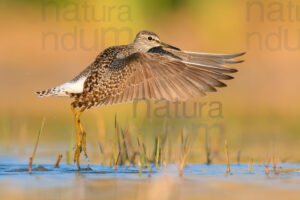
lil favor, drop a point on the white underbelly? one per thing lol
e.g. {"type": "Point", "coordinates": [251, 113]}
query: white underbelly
{"type": "Point", "coordinates": [72, 87]}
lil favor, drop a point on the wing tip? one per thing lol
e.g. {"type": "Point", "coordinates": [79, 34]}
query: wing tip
{"type": "Point", "coordinates": [232, 70]}
{"type": "Point", "coordinates": [241, 54]}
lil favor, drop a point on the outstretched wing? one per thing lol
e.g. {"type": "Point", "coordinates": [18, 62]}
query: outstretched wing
{"type": "Point", "coordinates": [173, 76]}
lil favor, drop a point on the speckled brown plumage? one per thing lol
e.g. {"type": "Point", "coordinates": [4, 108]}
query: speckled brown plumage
{"type": "Point", "coordinates": [147, 69]}
{"type": "Point", "coordinates": [96, 87]}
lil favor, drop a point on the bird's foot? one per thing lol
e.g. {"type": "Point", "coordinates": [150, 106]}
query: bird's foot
{"type": "Point", "coordinates": [84, 148]}
{"type": "Point", "coordinates": [78, 150]}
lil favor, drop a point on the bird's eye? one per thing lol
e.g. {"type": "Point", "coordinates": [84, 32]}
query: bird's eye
{"type": "Point", "coordinates": [149, 38]}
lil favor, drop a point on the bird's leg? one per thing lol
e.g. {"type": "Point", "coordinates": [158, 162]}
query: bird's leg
{"type": "Point", "coordinates": [83, 141]}
{"type": "Point", "coordinates": [78, 147]}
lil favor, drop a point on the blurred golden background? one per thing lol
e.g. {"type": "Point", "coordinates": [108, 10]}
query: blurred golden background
{"type": "Point", "coordinates": [46, 43]}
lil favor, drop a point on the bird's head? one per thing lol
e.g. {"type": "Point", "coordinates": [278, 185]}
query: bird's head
{"type": "Point", "coordinates": [146, 40]}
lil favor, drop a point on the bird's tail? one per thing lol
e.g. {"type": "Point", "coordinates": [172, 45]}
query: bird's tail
{"type": "Point", "coordinates": [49, 92]}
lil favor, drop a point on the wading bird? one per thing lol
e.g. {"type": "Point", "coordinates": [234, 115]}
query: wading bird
{"type": "Point", "coordinates": [145, 69]}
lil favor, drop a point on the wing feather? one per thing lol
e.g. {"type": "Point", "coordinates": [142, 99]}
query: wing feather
{"type": "Point", "coordinates": [160, 77]}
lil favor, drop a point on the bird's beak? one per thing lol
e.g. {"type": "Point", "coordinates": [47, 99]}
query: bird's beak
{"type": "Point", "coordinates": [169, 46]}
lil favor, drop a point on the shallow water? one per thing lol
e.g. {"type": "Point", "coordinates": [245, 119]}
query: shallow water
{"type": "Point", "coordinates": [199, 180]}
